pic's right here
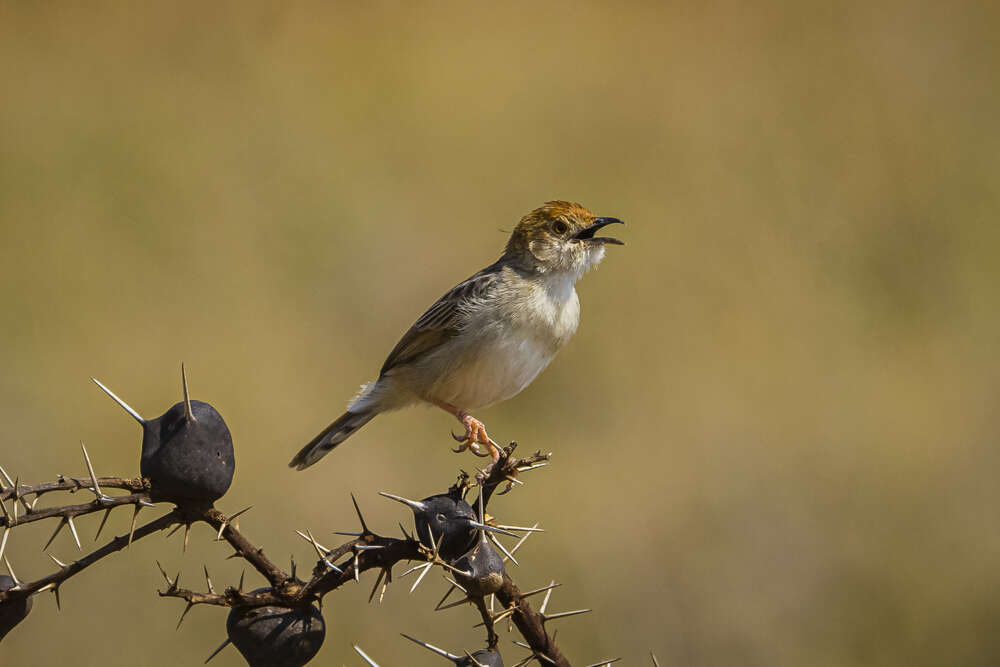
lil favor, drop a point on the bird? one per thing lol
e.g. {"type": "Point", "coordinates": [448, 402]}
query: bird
{"type": "Point", "coordinates": [489, 336]}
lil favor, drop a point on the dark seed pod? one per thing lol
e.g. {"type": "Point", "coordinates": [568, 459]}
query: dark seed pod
{"type": "Point", "coordinates": [276, 636]}
{"type": "Point", "coordinates": [450, 516]}
{"type": "Point", "coordinates": [12, 610]}
{"type": "Point", "coordinates": [444, 518]}
{"type": "Point", "coordinates": [188, 458]}
{"type": "Point", "coordinates": [486, 567]}
{"type": "Point", "coordinates": [187, 452]}
{"type": "Point", "coordinates": [484, 657]}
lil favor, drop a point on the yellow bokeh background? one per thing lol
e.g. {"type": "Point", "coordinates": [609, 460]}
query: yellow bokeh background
{"type": "Point", "coordinates": [774, 433]}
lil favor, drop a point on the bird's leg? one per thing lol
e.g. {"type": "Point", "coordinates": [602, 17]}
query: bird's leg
{"type": "Point", "coordinates": [475, 434]}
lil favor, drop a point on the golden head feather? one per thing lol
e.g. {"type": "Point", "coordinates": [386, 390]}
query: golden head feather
{"type": "Point", "coordinates": [559, 235]}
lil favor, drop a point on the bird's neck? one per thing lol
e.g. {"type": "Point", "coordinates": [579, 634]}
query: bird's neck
{"type": "Point", "coordinates": [559, 285]}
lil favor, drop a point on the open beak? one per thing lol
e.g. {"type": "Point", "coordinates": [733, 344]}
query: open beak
{"type": "Point", "coordinates": [588, 233]}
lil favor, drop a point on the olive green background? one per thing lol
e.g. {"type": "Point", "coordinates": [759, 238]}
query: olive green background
{"type": "Point", "coordinates": [775, 433]}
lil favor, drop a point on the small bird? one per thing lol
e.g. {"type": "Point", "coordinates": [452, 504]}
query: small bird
{"type": "Point", "coordinates": [489, 336]}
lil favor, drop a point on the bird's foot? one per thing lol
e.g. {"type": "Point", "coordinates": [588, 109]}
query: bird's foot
{"type": "Point", "coordinates": [474, 439]}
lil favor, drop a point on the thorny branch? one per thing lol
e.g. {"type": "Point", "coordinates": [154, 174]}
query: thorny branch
{"type": "Point", "coordinates": [67, 570]}
{"type": "Point", "coordinates": [73, 511]}
{"type": "Point", "coordinates": [530, 623]}
{"type": "Point", "coordinates": [366, 552]}
{"type": "Point", "coordinates": [72, 484]}
{"type": "Point", "coordinates": [371, 551]}
{"type": "Point", "coordinates": [20, 493]}
{"type": "Point", "coordinates": [334, 567]}
{"type": "Point", "coordinates": [244, 548]}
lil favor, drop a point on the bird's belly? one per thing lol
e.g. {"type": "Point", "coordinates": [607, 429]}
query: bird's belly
{"type": "Point", "coordinates": [491, 371]}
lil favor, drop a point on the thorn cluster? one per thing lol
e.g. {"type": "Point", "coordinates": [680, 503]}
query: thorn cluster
{"type": "Point", "coordinates": [187, 459]}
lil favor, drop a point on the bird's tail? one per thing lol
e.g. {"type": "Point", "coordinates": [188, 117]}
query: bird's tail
{"type": "Point", "coordinates": [330, 437]}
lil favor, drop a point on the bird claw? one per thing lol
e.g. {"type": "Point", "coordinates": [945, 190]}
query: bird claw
{"type": "Point", "coordinates": [471, 446]}
{"type": "Point", "coordinates": [475, 436]}
{"type": "Point", "coordinates": [465, 441]}
{"type": "Point", "coordinates": [478, 451]}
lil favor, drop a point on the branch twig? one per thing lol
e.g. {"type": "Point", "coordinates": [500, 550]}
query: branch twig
{"type": "Point", "coordinates": [135, 484]}
{"type": "Point", "coordinates": [53, 580]}
{"type": "Point", "coordinates": [530, 623]}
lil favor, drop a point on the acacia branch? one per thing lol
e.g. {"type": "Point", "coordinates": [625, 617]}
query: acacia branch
{"type": "Point", "coordinates": [530, 623]}
{"type": "Point", "coordinates": [506, 469]}
{"type": "Point", "coordinates": [72, 484]}
{"type": "Point", "coordinates": [244, 547]}
{"type": "Point", "coordinates": [334, 568]}
{"type": "Point", "coordinates": [73, 511]}
{"type": "Point", "coordinates": [381, 553]}
{"type": "Point", "coordinates": [392, 550]}
{"type": "Point", "coordinates": [53, 580]}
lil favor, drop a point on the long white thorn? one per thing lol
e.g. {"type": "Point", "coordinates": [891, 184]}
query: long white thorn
{"type": "Point", "coordinates": [502, 548]}
{"type": "Point", "coordinates": [188, 413]}
{"type": "Point", "coordinates": [520, 542]}
{"type": "Point", "coordinates": [522, 529]}
{"type": "Point", "coordinates": [413, 504]}
{"type": "Point", "coordinates": [17, 496]}
{"type": "Point", "coordinates": [125, 406]}
{"type": "Point", "coordinates": [541, 590]}
{"type": "Point", "coordinates": [10, 482]}
{"type": "Point", "coordinates": [10, 571]}
{"type": "Point", "coordinates": [365, 656]}
{"type": "Point", "coordinates": [72, 528]}
{"type": "Point", "coordinates": [545, 600]}
{"type": "Point", "coordinates": [492, 529]}
{"type": "Point", "coordinates": [56, 561]}
{"type": "Point", "coordinates": [430, 647]}
{"type": "Point", "coordinates": [93, 478]}
{"type": "Point", "coordinates": [131, 530]}
{"type": "Point", "coordinates": [229, 520]}
{"type": "Point", "coordinates": [564, 614]}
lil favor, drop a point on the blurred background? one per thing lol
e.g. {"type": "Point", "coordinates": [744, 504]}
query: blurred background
{"type": "Point", "coordinates": [775, 431]}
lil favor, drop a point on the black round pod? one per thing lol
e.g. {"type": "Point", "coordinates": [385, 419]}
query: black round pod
{"type": "Point", "coordinates": [443, 519]}
{"type": "Point", "coordinates": [12, 610]}
{"type": "Point", "coordinates": [187, 452]}
{"type": "Point", "coordinates": [188, 457]}
{"type": "Point", "coordinates": [486, 657]}
{"type": "Point", "coordinates": [276, 636]}
{"type": "Point", "coordinates": [486, 568]}
{"type": "Point", "coordinates": [447, 515]}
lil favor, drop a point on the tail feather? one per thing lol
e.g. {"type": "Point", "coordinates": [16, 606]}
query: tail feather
{"type": "Point", "coordinates": [330, 437]}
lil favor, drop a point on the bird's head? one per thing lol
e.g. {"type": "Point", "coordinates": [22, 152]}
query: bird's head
{"type": "Point", "coordinates": [559, 237]}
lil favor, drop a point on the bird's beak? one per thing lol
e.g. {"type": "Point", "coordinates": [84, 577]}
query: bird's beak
{"type": "Point", "coordinates": [587, 234]}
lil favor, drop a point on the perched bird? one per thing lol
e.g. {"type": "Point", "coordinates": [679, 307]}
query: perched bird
{"type": "Point", "coordinates": [489, 336]}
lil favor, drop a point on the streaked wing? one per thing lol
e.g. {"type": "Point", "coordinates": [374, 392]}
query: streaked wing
{"type": "Point", "coordinates": [441, 322]}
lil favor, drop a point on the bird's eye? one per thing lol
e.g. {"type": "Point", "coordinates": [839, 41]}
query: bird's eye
{"type": "Point", "coordinates": [559, 227]}
{"type": "Point", "coordinates": [441, 517]}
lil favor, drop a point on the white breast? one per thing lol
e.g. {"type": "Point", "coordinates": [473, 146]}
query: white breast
{"type": "Point", "coordinates": [504, 349]}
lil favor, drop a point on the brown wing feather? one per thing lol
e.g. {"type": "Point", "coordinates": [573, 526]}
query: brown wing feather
{"type": "Point", "coordinates": [441, 321]}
